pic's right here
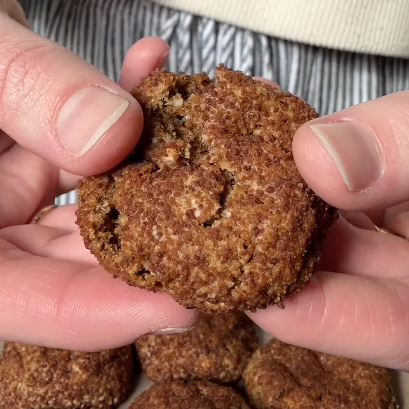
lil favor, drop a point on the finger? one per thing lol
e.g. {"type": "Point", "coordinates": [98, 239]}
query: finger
{"type": "Point", "coordinates": [359, 219]}
{"type": "Point", "coordinates": [360, 154]}
{"type": "Point", "coordinates": [82, 123]}
{"type": "Point", "coordinates": [396, 219]}
{"type": "Point", "coordinates": [5, 142]}
{"type": "Point", "coordinates": [69, 305]}
{"type": "Point", "coordinates": [66, 182]}
{"type": "Point", "coordinates": [268, 82]}
{"type": "Point", "coordinates": [141, 59]}
{"type": "Point", "coordinates": [13, 9]}
{"type": "Point", "coordinates": [49, 242]}
{"type": "Point", "coordinates": [365, 253]}
{"type": "Point", "coordinates": [62, 218]}
{"type": "Point", "coordinates": [376, 216]}
{"type": "Point", "coordinates": [399, 225]}
{"type": "Point", "coordinates": [27, 183]}
{"type": "Point", "coordinates": [347, 316]}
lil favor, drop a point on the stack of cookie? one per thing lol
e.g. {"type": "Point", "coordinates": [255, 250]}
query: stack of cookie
{"type": "Point", "coordinates": [206, 367]}
{"type": "Point", "coordinates": [198, 368]}
{"type": "Point", "coordinates": [188, 370]}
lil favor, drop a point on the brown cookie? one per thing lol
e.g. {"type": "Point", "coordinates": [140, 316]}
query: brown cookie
{"type": "Point", "coordinates": [189, 395]}
{"type": "Point", "coordinates": [282, 376]}
{"type": "Point", "coordinates": [216, 350]}
{"type": "Point", "coordinates": [211, 207]}
{"type": "Point", "coordinates": [34, 377]}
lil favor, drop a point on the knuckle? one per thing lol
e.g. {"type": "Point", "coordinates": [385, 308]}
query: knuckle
{"type": "Point", "coordinates": [22, 79]}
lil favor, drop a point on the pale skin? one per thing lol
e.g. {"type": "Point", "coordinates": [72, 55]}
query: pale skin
{"type": "Point", "coordinates": [52, 291]}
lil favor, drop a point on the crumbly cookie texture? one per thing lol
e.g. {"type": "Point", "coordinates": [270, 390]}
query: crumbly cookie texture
{"type": "Point", "coordinates": [217, 350]}
{"type": "Point", "coordinates": [211, 207]}
{"type": "Point", "coordinates": [282, 376]}
{"type": "Point", "coordinates": [34, 377]}
{"type": "Point", "coordinates": [189, 395]}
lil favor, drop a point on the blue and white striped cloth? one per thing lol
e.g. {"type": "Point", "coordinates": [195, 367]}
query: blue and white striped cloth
{"type": "Point", "coordinates": [101, 31]}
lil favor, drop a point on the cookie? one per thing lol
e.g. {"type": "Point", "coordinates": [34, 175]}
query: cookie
{"type": "Point", "coordinates": [189, 395]}
{"type": "Point", "coordinates": [217, 350]}
{"type": "Point", "coordinates": [282, 376]}
{"type": "Point", "coordinates": [211, 207]}
{"type": "Point", "coordinates": [33, 377]}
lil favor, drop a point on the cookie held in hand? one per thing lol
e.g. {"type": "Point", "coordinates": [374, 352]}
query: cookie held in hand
{"type": "Point", "coordinates": [210, 208]}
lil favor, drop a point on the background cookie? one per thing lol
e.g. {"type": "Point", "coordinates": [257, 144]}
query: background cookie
{"type": "Point", "coordinates": [282, 376]}
{"type": "Point", "coordinates": [217, 350]}
{"type": "Point", "coordinates": [211, 208]}
{"type": "Point", "coordinates": [34, 377]}
{"type": "Point", "coordinates": [189, 395]}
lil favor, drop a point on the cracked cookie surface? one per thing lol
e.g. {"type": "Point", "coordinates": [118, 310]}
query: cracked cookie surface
{"type": "Point", "coordinates": [282, 376]}
{"type": "Point", "coordinates": [210, 208]}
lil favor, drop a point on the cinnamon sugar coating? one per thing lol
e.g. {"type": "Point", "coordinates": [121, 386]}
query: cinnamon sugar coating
{"type": "Point", "coordinates": [217, 350]}
{"type": "Point", "coordinates": [189, 395]}
{"type": "Point", "coordinates": [282, 376]}
{"type": "Point", "coordinates": [211, 207]}
{"type": "Point", "coordinates": [33, 377]}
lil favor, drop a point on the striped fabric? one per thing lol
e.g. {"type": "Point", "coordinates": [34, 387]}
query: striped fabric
{"type": "Point", "coordinates": [102, 30]}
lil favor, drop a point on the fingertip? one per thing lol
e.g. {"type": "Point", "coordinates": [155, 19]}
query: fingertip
{"type": "Point", "coordinates": [113, 147]}
{"type": "Point", "coordinates": [343, 315]}
{"type": "Point", "coordinates": [360, 153]}
{"type": "Point", "coordinates": [141, 59]}
{"type": "Point", "coordinates": [318, 169]}
{"type": "Point", "coordinates": [82, 307]}
{"type": "Point", "coordinates": [360, 220]}
{"type": "Point", "coordinates": [129, 312]}
{"type": "Point", "coordinates": [268, 82]}
{"type": "Point", "coordinates": [289, 322]}
{"type": "Point", "coordinates": [84, 123]}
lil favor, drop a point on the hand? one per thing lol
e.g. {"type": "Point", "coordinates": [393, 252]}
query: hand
{"type": "Point", "coordinates": [60, 117]}
{"type": "Point", "coordinates": [358, 306]}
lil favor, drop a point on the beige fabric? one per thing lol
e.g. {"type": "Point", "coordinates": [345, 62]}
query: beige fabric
{"type": "Point", "coordinates": [366, 26]}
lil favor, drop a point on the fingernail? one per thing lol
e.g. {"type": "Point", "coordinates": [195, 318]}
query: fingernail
{"type": "Point", "coordinates": [171, 331]}
{"type": "Point", "coordinates": [86, 116]}
{"type": "Point", "coordinates": [355, 151]}
{"type": "Point", "coordinates": [160, 62]}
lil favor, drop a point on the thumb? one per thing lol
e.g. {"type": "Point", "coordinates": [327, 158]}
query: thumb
{"type": "Point", "coordinates": [60, 107]}
{"type": "Point", "coordinates": [357, 159]}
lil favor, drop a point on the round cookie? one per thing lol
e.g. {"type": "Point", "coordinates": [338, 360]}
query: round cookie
{"type": "Point", "coordinates": [217, 350]}
{"type": "Point", "coordinates": [33, 377]}
{"type": "Point", "coordinates": [282, 376]}
{"type": "Point", "coordinates": [211, 207]}
{"type": "Point", "coordinates": [189, 395]}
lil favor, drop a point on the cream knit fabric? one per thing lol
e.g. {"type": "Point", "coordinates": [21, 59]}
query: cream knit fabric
{"type": "Point", "coordinates": [365, 26]}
